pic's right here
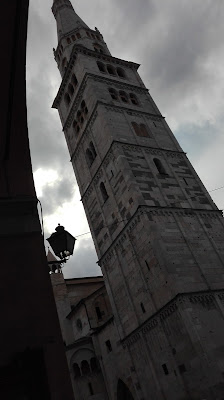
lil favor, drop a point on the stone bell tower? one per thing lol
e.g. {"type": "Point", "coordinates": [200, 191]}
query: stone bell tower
{"type": "Point", "coordinates": [158, 235]}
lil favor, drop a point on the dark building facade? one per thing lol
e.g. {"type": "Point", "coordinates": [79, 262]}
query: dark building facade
{"type": "Point", "coordinates": [32, 359]}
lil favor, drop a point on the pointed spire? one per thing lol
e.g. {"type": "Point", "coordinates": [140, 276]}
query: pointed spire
{"type": "Point", "coordinates": [66, 17]}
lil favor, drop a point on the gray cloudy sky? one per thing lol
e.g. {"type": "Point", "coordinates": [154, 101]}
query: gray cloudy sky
{"type": "Point", "coordinates": [179, 44]}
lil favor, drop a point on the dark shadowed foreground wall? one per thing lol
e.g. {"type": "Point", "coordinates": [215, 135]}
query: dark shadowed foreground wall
{"type": "Point", "coordinates": [32, 361]}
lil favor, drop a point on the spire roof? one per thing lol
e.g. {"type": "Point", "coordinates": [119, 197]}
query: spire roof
{"type": "Point", "coordinates": [66, 17]}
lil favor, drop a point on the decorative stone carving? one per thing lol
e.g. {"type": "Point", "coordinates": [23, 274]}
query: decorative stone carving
{"type": "Point", "coordinates": [155, 321]}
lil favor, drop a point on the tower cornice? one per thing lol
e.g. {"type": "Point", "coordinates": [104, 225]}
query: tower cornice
{"type": "Point", "coordinates": [83, 50]}
{"type": "Point", "coordinates": [175, 305]}
{"type": "Point", "coordinates": [116, 84]}
{"type": "Point", "coordinates": [155, 210]}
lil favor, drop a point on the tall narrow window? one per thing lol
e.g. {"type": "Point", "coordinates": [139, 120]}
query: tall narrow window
{"type": "Point", "coordinates": [79, 116]}
{"type": "Point", "coordinates": [85, 367]}
{"type": "Point", "coordinates": [120, 72]}
{"type": "Point", "coordinates": [159, 166]}
{"type": "Point", "coordinates": [88, 34]}
{"type": "Point", "coordinates": [144, 130]}
{"type": "Point", "coordinates": [165, 369]}
{"type": "Point", "coordinates": [90, 389]}
{"type": "Point", "coordinates": [94, 364]}
{"type": "Point", "coordinates": [113, 93]}
{"type": "Point", "coordinates": [76, 370]}
{"type": "Point", "coordinates": [76, 126]}
{"type": "Point", "coordinates": [71, 89]}
{"type": "Point", "coordinates": [103, 192]}
{"type": "Point", "coordinates": [136, 128]}
{"type": "Point", "coordinates": [64, 63]}
{"type": "Point", "coordinates": [93, 150]}
{"type": "Point", "coordinates": [98, 313]}
{"type": "Point", "coordinates": [123, 96]}
{"type": "Point", "coordinates": [134, 99]}
{"type": "Point", "coordinates": [101, 66]}
{"type": "Point", "coordinates": [68, 40]}
{"type": "Point", "coordinates": [143, 308]}
{"type": "Point", "coordinates": [74, 80]}
{"type": "Point", "coordinates": [78, 35]}
{"type": "Point", "coordinates": [89, 157]}
{"type": "Point", "coordinates": [108, 345]}
{"type": "Point", "coordinates": [67, 99]}
{"type": "Point", "coordinates": [73, 38]}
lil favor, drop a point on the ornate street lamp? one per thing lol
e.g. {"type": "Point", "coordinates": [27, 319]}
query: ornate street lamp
{"type": "Point", "coordinates": [62, 243]}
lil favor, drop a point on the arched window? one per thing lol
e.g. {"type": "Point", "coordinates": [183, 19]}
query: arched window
{"type": "Point", "coordinates": [76, 126]}
{"type": "Point", "coordinates": [159, 166]}
{"type": "Point", "coordinates": [76, 370]}
{"type": "Point", "coordinates": [98, 313]}
{"type": "Point", "coordinates": [86, 110]}
{"type": "Point", "coordinates": [92, 148]}
{"type": "Point", "coordinates": [144, 130]}
{"type": "Point", "coordinates": [64, 63]}
{"type": "Point", "coordinates": [101, 66]}
{"type": "Point", "coordinates": [97, 48]}
{"type": "Point", "coordinates": [136, 128]}
{"type": "Point", "coordinates": [103, 192]}
{"type": "Point", "coordinates": [123, 96]}
{"type": "Point", "coordinates": [68, 40]}
{"type": "Point", "coordinates": [79, 115]}
{"type": "Point", "coordinates": [88, 34]}
{"type": "Point", "coordinates": [83, 104]}
{"type": "Point", "coordinates": [123, 391]}
{"type": "Point", "coordinates": [78, 35]}
{"type": "Point", "coordinates": [71, 89]}
{"type": "Point", "coordinates": [111, 70]}
{"type": "Point", "coordinates": [121, 73]}
{"type": "Point", "coordinates": [94, 364]}
{"type": "Point", "coordinates": [85, 368]}
{"type": "Point", "coordinates": [74, 80]}
{"type": "Point", "coordinates": [134, 99]}
{"type": "Point", "coordinates": [113, 93]}
{"type": "Point", "coordinates": [91, 391]}
{"type": "Point", "coordinates": [67, 99]}
{"type": "Point", "coordinates": [143, 308]}
{"type": "Point", "coordinates": [92, 36]}
{"type": "Point", "coordinates": [89, 157]}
